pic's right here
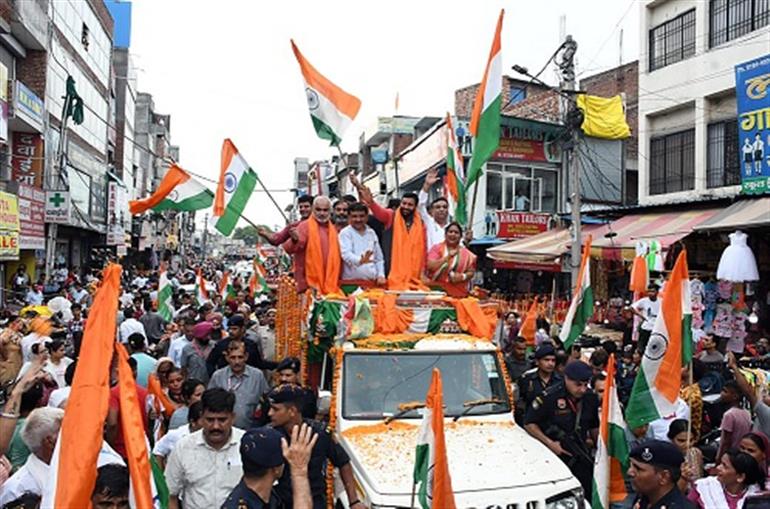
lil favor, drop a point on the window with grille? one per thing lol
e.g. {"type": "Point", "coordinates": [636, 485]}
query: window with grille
{"type": "Point", "coordinates": [731, 19]}
{"type": "Point", "coordinates": [673, 41]}
{"type": "Point", "coordinates": [672, 163]}
{"type": "Point", "coordinates": [723, 160]}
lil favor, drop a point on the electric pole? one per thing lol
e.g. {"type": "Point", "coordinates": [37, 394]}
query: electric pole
{"type": "Point", "coordinates": [571, 160]}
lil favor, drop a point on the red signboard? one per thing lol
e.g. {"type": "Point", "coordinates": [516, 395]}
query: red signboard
{"type": "Point", "coordinates": [527, 150]}
{"type": "Point", "coordinates": [27, 159]}
{"type": "Point", "coordinates": [31, 217]}
{"type": "Point", "coordinates": [517, 225]}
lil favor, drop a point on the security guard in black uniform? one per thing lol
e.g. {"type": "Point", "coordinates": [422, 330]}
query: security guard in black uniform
{"type": "Point", "coordinates": [262, 461]}
{"type": "Point", "coordinates": [533, 382]}
{"type": "Point", "coordinates": [563, 416]}
{"type": "Point", "coordinates": [288, 373]}
{"type": "Point", "coordinates": [654, 472]}
{"type": "Point", "coordinates": [285, 401]}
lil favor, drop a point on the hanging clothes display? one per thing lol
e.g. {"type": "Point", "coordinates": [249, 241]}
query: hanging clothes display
{"type": "Point", "coordinates": [738, 262]}
{"type": "Point", "coordinates": [640, 275]}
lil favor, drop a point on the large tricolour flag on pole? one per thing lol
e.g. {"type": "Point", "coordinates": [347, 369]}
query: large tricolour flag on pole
{"type": "Point", "coordinates": [611, 461]}
{"type": "Point", "coordinates": [331, 108]}
{"type": "Point", "coordinates": [656, 387]}
{"type": "Point", "coordinates": [431, 469]}
{"type": "Point", "coordinates": [485, 120]}
{"type": "Point", "coordinates": [455, 173]}
{"type": "Point", "coordinates": [165, 296]}
{"type": "Point", "coordinates": [582, 306]}
{"type": "Point", "coordinates": [236, 183]}
{"type": "Point", "coordinates": [177, 191]}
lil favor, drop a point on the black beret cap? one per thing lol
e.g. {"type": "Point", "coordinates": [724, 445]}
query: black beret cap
{"type": "Point", "coordinates": [659, 453]}
{"type": "Point", "coordinates": [291, 363]}
{"type": "Point", "coordinates": [578, 371]}
{"type": "Point", "coordinates": [261, 449]}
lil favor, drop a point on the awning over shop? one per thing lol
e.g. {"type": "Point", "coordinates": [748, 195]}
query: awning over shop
{"type": "Point", "coordinates": [544, 248]}
{"type": "Point", "coordinates": [620, 237]}
{"type": "Point", "coordinates": [742, 214]}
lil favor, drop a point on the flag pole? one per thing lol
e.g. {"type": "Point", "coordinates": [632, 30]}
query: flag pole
{"type": "Point", "coordinates": [473, 204]}
{"type": "Point", "coordinates": [272, 200]}
{"type": "Point", "coordinates": [414, 489]}
{"type": "Point", "coordinates": [336, 169]}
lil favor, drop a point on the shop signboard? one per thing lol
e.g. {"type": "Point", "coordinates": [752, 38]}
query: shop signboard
{"type": "Point", "coordinates": [752, 90]}
{"type": "Point", "coordinates": [31, 217]}
{"type": "Point", "coordinates": [9, 227]}
{"type": "Point", "coordinates": [531, 266]}
{"type": "Point", "coordinates": [524, 140]}
{"type": "Point", "coordinates": [117, 207]}
{"type": "Point", "coordinates": [28, 106]}
{"type": "Point", "coordinates": [429, 153]}
{"type": "Point", "coordinates": [57, 207]}
{"type": "Point", "coordinates": [27, 159]}
{"type": "Point", "coordinates": [3, 102]}
{"type": "Point", "coordinates": [9, 245]}
{"type": "Point", "coordinates": [517, 225]}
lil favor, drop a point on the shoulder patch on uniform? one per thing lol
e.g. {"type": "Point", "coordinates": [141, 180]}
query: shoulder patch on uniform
{"type": "Point", "coordinates": [537, 402]}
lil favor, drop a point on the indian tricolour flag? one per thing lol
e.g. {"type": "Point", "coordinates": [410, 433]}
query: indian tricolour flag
{"type": "Point", "coordinates": [165, 297]}
{"type": "Point", "coordinates": [431, 469]}
{"type": "Point", "coordinates": [226, 289]}
{"type": "Point", "coordinates": [485, 120]}
{"type": "Point", "coordinates": [201, 292]}
{"type": "Point", "coordinates": [582, 306]}
{"type": "Point", "coordinates": [455, 173]}
{"type": "Point", "coordinates": [611, 461]}
{"type": "Point", "coordinates": [656, 387]}
{"type": "Point", "coordinates": [258, 281]}
{"type": "Point", "coordinates": [177, 191]}
{"type": "Point", "coordinates": [236, 183]}
{"type": "Point", "coordinates": [331, 108]}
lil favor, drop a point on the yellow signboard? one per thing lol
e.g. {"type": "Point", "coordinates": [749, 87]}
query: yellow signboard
{"type": "Point", "coordinates": [9, 212]}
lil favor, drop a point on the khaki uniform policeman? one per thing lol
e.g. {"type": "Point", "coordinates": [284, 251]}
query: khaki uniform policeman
{"type": "Point", "coordinates": [564, 416]}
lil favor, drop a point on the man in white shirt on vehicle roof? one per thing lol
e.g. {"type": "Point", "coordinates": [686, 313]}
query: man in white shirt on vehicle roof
{"type": "Point", "coordinates": [647, 308]}
{"type": "Point", "coordinates": [435, 217]}
{"type": "Point", "coordinates": [362, 257]}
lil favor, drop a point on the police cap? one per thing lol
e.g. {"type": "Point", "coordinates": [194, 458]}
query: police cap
{"type": "Point", "coordinates": [261, 449]}
{"type": "Point", "coordinates": [544, 350]}
{"type": "Point", "coordinates": [286, 393]}
{"type": "Point", "coordinates": [659, 453]}
{"type": "Point", "coordinates": [578, 371]}
{"type": "Point", "coordinates": [291, 363]}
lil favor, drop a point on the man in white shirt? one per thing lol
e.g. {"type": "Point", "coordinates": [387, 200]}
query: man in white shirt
{"type": "Point", "coordinates": [205, 466]}
{"type": "Point", "coordinates": [39, 434]}
{"type": "Point", "coordinates": [362, 257]}
{"type": "Point", "coordinates": [659, 428]}
{"type": "Point", "coordinates": [130, 325]}
{"type": "Point", "coordinates": [166, 444]}
{"type": "Point", "coordinates": [435, 217]}
{"type": "Point", "coordinates": [178, 343]}
{"type": "Point", "coordinates": [647, 308]}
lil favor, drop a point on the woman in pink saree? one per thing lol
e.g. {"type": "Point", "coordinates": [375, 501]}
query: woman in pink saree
{"type": "Point", "coordinates": [450, 266]}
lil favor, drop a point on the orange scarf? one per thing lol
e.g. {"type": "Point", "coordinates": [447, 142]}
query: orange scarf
{"type": "Point", "coordinates": [407, 256]}
{"type": "Point", "coordinates": [324, 279]}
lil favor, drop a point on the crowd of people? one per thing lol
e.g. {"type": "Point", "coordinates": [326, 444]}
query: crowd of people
{"type": "Point", "coordinates": [409, 245]}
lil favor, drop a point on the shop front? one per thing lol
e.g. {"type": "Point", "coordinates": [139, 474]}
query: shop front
{"type": "Point", "coordinates": [9, 240]}
{"type": "Point", "coordinates": [31, 227]}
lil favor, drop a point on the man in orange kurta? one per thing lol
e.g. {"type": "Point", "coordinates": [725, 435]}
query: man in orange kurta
{"type": "Point", "coordinates": [316, 250]}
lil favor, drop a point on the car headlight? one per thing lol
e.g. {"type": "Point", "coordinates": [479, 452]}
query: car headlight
{"type": "Point", "coordinates": [567, 500]}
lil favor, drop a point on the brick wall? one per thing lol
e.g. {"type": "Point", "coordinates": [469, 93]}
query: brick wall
{"type": "Point", "coordinates": [623, 79]}
{"type": "Point", "coordinates": [540, 103]}
{"type": "Point", "coordinates": [103, 14]}
{"type": "Point", "coordinates": [6, 10]}
{"type": "Point", "coordinates": [32, 71]}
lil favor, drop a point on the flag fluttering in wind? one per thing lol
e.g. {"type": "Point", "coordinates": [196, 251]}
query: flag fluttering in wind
{"type": "Point", "coordinates": [201, 292]}
{"type": "Point", "coordinates": [131, 423]}
{"type": "Point", "coordinates": [177, 191]}
{"type": "Point", "coordinates": [582, 306]}
{"type": "Point", "coordinates": [72, 473]}
{"type": "Point", "coordinates": [226, 289]}
{"type": "Point", "coordinates": [331, 108]}
{"type": "Point", "coordinates": [258, 280]}
{"type": "Point", "coordinates": [611, 461]}
{"type": "Point", "coordinates": [455, 173]}
{"type": "Point", "coordinates": [236, 183]}
{"type": "Point", "coordinates": [165, 296]}
{"type": "Point", "coordinates": [431, 468]}
{"type": "Point", "coordinates": [528, 328]}
{"type": "Point", "coordinates": [656, 387]}
{"type": "Point", "coordinates": [485, 120]}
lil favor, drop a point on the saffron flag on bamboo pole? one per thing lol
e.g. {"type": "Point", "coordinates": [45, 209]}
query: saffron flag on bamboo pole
{"type": "Point", "coordinates": [657, 383]}
{"type": "Point", "coordinates": [455, 173]}
{"type": "Point", "coordinates": [431, 467]}
{"type": "Point", "coordinates": [485, 120]}
{"type": "Point", "coordinates": [177, 191]}
{"type": "Point", "coordinates": [582, 306]}
{"type": "Point", "coordinates": [236, 184]}
{"type": "Point", "coordinates": [611, 463]}
{"type": "Point", "coordinates": [72, 471]}
{"type": "Point", "coordinates": [132, 425]}
{"type": "Point", "coordinates": [331, 108]}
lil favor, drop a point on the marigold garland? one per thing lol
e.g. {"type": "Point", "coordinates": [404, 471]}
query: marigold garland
{"type": "Point", "coordinates": [337, 354]}
{"type": "Point", "coordinates": [506, 378]}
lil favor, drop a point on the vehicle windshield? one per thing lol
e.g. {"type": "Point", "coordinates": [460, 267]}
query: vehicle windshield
{"type": "Point", "coordinates": [375, 384]}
